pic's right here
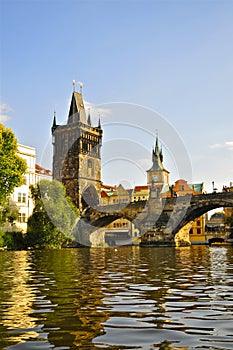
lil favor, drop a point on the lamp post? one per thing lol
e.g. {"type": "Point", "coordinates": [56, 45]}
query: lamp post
{"type": "Point", "coordinates": [214, 189]}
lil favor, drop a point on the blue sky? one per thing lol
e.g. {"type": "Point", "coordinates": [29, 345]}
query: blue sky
{"type": "Point", "coordinates": [174, 58]}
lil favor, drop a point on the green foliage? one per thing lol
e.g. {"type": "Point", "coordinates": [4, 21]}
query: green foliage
{"type": "Point", "coordinates": [2, 239]}
{"type": "Point", "coordinates": [12, 167]}
{"type": "Point", "coordinates": [8, 212]}
{"type": "Point", "coordinates": [12, 240]}
{"type": "Point", "coordinates": [54, 216]}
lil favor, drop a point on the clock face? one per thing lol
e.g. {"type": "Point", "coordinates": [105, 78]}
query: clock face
{"type": "Point", "coordinates": [155, 178]}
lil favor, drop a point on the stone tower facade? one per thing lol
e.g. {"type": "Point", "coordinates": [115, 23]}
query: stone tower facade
{"type": "Point", "coordinates": [76, 155]}
{"type": "Point", "coordinates": [157, 175]}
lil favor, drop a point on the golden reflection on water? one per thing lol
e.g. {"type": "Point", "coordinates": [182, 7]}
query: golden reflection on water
{"type": "Point", "coordinates": [89, 303]}
{"type": "Point", "coordinates": [18, 295]}
{"type": "Point", "coordinates": [107, 297]}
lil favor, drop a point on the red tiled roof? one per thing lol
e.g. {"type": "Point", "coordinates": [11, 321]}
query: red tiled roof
{"type": "Point", "coordinates": [41, 170]}
{"type": "Point", "coordinates": [139, 188]}
{"type": "Point", "coordinates": [103, 194]}
{"type": "Point", "coordinates": [108, 187]}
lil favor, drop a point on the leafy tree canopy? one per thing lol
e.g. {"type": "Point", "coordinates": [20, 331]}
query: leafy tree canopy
{"type": "Point", "coordinates": [12, 166]}
{"type": "Point", "coordinates": [8, 212]}
{"type": "Point", "coordinates": [54, 216]}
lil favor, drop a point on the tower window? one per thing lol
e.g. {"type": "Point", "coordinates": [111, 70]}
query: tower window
{"type": "Point", "coordinates": [90, 167]}
{"type": "Point", "coordinates": [85, 146]}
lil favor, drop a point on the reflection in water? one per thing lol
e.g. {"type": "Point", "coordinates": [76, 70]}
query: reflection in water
{"type": "Point", "coordinates": [17, 296]}
{"type": "Point", "coordinates": [129, 298]}
{"type": "Point", "coordinates": [20, 298]}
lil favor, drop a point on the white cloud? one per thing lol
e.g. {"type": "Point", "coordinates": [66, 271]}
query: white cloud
{"type": "Point", "coordinates": [226, 145]}
{"type": "Point", "coordinates": [4, 112]}
{"type": "Point", "coordinates": [229, 145]}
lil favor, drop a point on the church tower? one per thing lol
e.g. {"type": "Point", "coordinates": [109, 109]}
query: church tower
{"type": "Point", "coordinates": [157, 175]}
{"type": "Point", "coordinates": [76, 154]}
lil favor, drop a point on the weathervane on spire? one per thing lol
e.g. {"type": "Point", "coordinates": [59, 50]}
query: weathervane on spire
{"type": "Point", "coordinates": [80, 85]}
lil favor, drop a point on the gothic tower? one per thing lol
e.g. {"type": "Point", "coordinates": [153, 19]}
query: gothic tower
{"type": "Point", "coordinates": [76, 154]}
{"type": "Point", "coordinates": [157, 175]}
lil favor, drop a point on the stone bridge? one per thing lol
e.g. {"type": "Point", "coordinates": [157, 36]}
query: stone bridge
{"type": "Point", "coordinates": [164, 217]}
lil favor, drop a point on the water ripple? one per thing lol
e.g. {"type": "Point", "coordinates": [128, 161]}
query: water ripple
{"type": "Point", "coordinates": [161, 298]}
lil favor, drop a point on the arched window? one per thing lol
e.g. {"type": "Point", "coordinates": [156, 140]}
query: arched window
{"type": "Point", "coordinates": [90, 167]}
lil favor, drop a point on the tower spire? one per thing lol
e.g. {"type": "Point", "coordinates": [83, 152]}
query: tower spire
{"type": "Point", "coordinates": [157, 144]}
{"type": "Point", "coordinates": [89, 117]}
{"type": "Point", "coordinates": [157, 155]}
{"type": "Point", "coordinates": [54, 126]}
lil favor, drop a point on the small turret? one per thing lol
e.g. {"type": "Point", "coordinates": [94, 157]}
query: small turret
{"type": "Point", "coordinates": [157, 156]}
{"type": "Point", "coordinates": [157, 175]}
{"type": "Point", "coordinates": [54, 126]}
{"type": "Point", "coordinates": [89, 118]}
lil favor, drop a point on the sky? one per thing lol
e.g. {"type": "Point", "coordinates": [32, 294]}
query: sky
{"type": "Point", "coordinates": [148, 68]}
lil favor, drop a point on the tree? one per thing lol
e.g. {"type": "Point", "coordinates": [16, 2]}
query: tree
{"type": "Point", "coordinates": [9, 212]}
{"type": "Point", "coordinates": [12, 167]}
{"type": "Point", "coordinates": [54, 216]}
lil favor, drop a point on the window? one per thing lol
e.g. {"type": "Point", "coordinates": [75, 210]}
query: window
{"type": "Point", "coordinates": [90, 167]}
{"type": "Point", "coordinates": [25, 180]}
{"type": "Point", "coordinates": [198, 231]}
{"type": "Point", "coordinates": [85, 146]}
{"type": "Point", "coordinates": [22, 217]}
{"type": "Point", "coordinates": [181, 187]}
{"type": "Point", "coordinates": [198, 223]}
{"type": "Point", "coordinates": [191, 231]}
{"type": "Point", "coordinates": [21, 197]}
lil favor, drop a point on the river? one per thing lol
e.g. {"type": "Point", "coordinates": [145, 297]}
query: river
{"type": "Point", "coordinates": [124, 298]}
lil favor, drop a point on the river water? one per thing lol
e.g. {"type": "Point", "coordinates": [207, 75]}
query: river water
{"type": "Point", "coordinates": [124, 298]}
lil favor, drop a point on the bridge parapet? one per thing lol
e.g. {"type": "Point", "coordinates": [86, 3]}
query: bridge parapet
{"type": "Point", "coordinates": [168, 215]}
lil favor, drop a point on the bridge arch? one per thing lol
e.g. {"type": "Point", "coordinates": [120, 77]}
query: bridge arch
{"type": "Point", "coordinates": [177, 212]}
{"type": "Point", "coordinates": [201, 204]}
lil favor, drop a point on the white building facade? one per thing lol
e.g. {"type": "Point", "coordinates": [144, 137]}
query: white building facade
{"type": "Point", "coordinates": [22, 195]}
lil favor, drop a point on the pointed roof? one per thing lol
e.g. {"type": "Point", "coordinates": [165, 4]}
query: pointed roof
{"type": "Point", "coordinates": [54, 126]}
{"type": "Point", "coordinates": [77, 112]}
{"type": "Point", "coordinates": [89, 118]}
{"type": "Point", "coordinates": [157, 157]}
{"type": "Point", "coordinates": [121, 191]}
